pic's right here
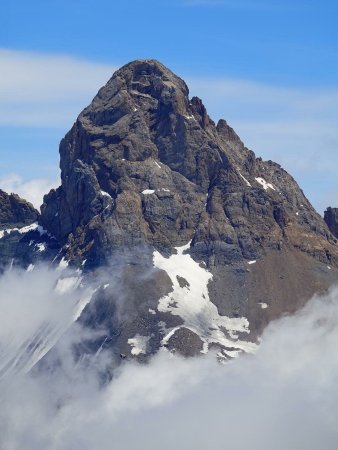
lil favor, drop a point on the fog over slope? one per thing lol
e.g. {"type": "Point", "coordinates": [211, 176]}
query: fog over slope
{"type": "Point", "coordinates": [283, 397]}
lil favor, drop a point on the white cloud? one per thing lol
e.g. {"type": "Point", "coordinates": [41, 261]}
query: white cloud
{"type": "Point", "coordinates": [31, 190]}
{"type": "Point", "coordinates": [46, 90]}
{"type": "Point", "coordinates": [284, 397]}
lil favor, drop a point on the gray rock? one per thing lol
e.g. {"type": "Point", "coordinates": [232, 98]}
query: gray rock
{"type": "Point", "coordinates": [22, 241]}
{"type": "Point", "coordinates": [331, 219]}
{"type": "Point", "coordinates": [170, 175]}
{"type": "Point", "coordinates": [15, 212]}
{"type": "Point", "coordinates": [145, 169]}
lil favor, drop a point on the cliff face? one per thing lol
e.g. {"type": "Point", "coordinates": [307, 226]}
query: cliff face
{"type": "Point", "coordinates": [205, 243]}
{"type": "Point", "coordinates": [143, 164]}
{"type": "Point", "coordinates": [22, 240]}
{"type": "Point", "coordinates": [331, 219]}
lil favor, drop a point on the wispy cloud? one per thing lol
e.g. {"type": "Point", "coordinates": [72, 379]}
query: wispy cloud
{"type": "Point", "coordinates": [46, 90]}
{"type": "Point", "coordinates": [284, 397]}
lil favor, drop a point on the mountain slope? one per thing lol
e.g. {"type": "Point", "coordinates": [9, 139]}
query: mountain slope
{"type": "Point", "coordinates": [22, 240]}
{"type": "Point", "coordinates": [199, 244]}
{"type": "Point", "coordinates": [141, 134]}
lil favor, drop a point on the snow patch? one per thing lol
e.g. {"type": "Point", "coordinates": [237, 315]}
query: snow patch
{"type": "Point", "coordinates": [40, 247]}
{"type": "Point", "coordinates": [157, 164]}
{"type": "Point", "coordinates": [252, 262]}
{"type": "Point", "coordinates": [246, 181]}
{"type": "Point", "coordinates": [231, 353]}
{"type": "Point", "coordinates": [105, 194]}
{"type": "Point", "coordinates": [190, 301]}
{"type": "Point", "coordinates": [169, 335]}
{"type": "Point", "coordinates": [263, 305]}
{"type": "Point", "coordinates": [139, 344]}
{"type": "Point", "coordinates": [33, 227]}
{"type": "Point", "coordinates": [264, 183]}
{"type": "Point", "coordinates": [148, 191]}
{"type": "Point", "coordinates": [152, 311]}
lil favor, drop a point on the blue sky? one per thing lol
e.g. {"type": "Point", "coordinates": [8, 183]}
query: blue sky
{"type": "Point", "coordinates": [268, 67]}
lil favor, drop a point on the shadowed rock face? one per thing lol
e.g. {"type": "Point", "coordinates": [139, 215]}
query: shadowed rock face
{"type": "Point", "coordinates": [144, 170]}
{"type": "Point", "coordinates": [22, 241]}
{"type": "Point", "coordinates": [331, 219]}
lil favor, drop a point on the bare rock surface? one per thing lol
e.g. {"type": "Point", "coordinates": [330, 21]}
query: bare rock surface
{"type": "Point", "coordinates": [331, 219]}
{"type": "Point", "coordinates": [15, 212]}
{"type": "Point", "coordinates": [210, 242]}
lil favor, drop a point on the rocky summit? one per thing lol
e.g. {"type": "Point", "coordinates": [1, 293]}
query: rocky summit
{"type": "Point", "coordinates": [196, 242]}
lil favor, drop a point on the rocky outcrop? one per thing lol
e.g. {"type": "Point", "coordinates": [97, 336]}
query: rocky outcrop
{"type": "Point", "coordinates": [331, 219]}
{"type": "Point", "coordinates": [203, 242]}
{"type": "Point", "coordinates": [145, 165]}
{"type": "Point", "coordinates": [23, 242]}
{"type": "Point", "coordinates": [15, 212]}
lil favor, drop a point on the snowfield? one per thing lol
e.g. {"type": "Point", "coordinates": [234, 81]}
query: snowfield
{"type": "Point", "coordinates": [190, 300]}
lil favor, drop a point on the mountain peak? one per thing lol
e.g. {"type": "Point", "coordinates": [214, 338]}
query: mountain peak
{"type": "Point", "coordinates": [141, 134]}
{"type": "Point", "coordinates": [146, 67]}
{"type": "Point", "coordinates": [141, 85]}
{"type": "Point", "coordinates": [145, 172]}
{"type": "Point", "coordinates": [148, 72]}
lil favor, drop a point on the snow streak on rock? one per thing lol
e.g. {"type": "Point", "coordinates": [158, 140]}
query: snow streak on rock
{"type": "Point", "coordinates": [23, 230]}
{"type": "Point", "coordinates": [190, 301]}
{"type": "Point", "coordinates": [264, 184]}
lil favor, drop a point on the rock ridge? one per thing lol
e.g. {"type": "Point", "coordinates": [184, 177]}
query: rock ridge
{"type": "Point", "coordinates": [199, 243]}
{"type": "Point", "coordinates": [145, 165]}
{"type": "Point", "coordinates": [15, 211]}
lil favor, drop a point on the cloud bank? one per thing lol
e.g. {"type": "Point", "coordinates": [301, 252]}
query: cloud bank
{"type": "Point", "coordinates": [284, 397]}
